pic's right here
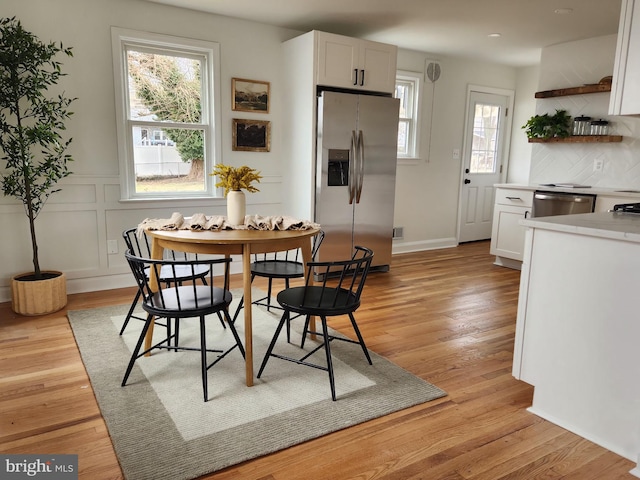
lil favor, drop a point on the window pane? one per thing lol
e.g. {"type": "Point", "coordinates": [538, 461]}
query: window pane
{"type": "Point", "coordinates": [168, 160]}
{"type": "Point", "coordinates": [164, 87]}
{"type": "Point", "coordinates": [403, 93]}
{"type": "Point", "coordinates": [484, 147]}
{"type": "Point", "coordinates": [403, 137]}
{"type": "Point", "coordinates": [407, 90]}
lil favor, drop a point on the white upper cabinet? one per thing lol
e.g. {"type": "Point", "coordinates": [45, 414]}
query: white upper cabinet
{"type": "Point", "coordinates": [625, 90]}
{"type": "Point", "coordinates": [352, 63]}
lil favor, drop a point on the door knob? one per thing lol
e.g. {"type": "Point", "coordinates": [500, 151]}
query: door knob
{"type": "Point", "coordinates": [466, 180]}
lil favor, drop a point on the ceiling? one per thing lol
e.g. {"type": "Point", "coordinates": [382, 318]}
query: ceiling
{"type": "Point", "coordinates": [457, 28]}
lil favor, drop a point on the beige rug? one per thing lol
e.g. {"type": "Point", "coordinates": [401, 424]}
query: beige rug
{"type": "Point", "coordinates": [162, 429]}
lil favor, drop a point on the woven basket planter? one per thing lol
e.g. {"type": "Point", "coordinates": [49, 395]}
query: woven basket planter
{"type": "Point", "coordinates": [38, 297]}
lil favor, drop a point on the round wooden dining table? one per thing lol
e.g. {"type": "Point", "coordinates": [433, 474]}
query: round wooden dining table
{"type": "Point", "coordinates": [233, 242]}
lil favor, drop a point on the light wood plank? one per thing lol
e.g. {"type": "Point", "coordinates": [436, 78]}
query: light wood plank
{"type": "Point", "coordinates": [447, 316]}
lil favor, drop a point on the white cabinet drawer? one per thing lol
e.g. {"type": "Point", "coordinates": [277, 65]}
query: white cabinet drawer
{"type": "Point", "coordinates": [515, 197]}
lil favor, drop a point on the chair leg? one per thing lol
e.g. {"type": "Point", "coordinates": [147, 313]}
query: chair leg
{"type": "Point", "coordinates": [136, 351]}
{"type": "Point", "coordinates": [273, 342]}
{"type": "Point", "coordinates": [177, 333]}
{"type": "Point", "coordinates": [305, 330]}
{"type": "Point", "coordinates": [241, 304]}
{"type": "Point", "coordinates": [203, 358]}
{"type": "Point", "coordinates": [327, 350]}
{"type": "Point", "coordinates": [286, 286]}
{"type": "Point", "coordinates": [360, 339]}
{"type": "Point", "coordinates": [269, 294]}
{"type": "Point", "coordinates": [232, 327]}
{"type": "Point", "coordinates": [221, 320]}
{"type": "Point", "coordinates": [130, 312]}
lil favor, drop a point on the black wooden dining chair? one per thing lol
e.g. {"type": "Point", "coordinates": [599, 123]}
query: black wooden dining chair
{"type": "Point", "coordinates": [177, 302]}
{"type": "Point", "coordinates": [141, 247]}
{"type": "Point", "coordinates": [277, 265]}
{"type": "Point", "coordinates": [339, 294]}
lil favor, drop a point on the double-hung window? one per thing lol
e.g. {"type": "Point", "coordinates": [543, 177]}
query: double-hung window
{"type": "Point", "coordinates": [408, 90]}
{"type": "Point", "coordinates": [167, 108]}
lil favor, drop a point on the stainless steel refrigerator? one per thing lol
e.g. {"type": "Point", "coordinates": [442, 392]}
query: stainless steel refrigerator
{"type": "Point", "coordinates": [356, 174]}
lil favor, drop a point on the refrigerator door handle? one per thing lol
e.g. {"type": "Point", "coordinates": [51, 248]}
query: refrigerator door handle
{"type": "Point", "coordinates": [352, 167]}
{"type": "Point", "coordinates": [360, 165]}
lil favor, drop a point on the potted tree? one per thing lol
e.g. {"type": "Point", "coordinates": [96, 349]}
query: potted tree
{"type": "Point", "coordinates": [31, 126]}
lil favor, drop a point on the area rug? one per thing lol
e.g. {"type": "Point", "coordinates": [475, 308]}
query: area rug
{"type": "Point", "coordinates": [162, 429]}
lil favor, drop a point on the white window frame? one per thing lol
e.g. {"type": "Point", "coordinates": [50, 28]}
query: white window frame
{"type": "Point", "coordinates": [414, 79]}
{"type": "Point", "coordinates": [210, 121]}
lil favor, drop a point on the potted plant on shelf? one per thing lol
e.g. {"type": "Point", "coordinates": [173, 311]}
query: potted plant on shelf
{"type": "Point", "coordinates": [234, 180]}
{"type": "Point", "coordinates": [33, 148]}
{"type": "Point", "coordinates": [548, 126]}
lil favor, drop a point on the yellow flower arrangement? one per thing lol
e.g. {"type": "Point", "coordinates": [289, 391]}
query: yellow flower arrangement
{"type": "Point", "coordinates": [232, 178]}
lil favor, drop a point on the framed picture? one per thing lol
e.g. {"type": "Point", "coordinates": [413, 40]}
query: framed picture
{"type": "Point", "coordinates": [250, 95]}
{"type": "Point", "coordinates": [251, 135]}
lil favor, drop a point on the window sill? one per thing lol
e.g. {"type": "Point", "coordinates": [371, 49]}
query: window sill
{"type": "Point", "coordinates": [408, 160]}
{"type": "Point", "coordinates": [173, 200]}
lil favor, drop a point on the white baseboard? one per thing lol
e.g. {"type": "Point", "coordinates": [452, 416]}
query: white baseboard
{"type": "Point", "coordinates": [508, 262]}
{"type": "Point", "coordinates": [636, 471]}
{"type": "Point", "coordinates": [102, 282]}
{"type": "Point", "coordinates": [408, 247]}
{"type": "Point", "coordinates": [604, 443]}
{"type": "Point", "coordinates": [110, 282]}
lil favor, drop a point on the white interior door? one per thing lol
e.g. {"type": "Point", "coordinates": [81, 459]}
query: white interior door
{"type": "Point", "coordinates": [486, 135]}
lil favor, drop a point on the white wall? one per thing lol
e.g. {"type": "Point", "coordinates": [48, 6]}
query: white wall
{"type": "Point", "coordinates": [77, 222]}
{"type": "Point", "coordinates": [519, 163]}
{"type": "Point", "coordinates": [427, 191]}
{"type": "Point", "coordinates": [573, 64]}
{"type": "Point", "coordinates": [74, 227]}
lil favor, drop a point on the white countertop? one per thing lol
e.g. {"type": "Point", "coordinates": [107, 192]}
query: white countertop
{"type": "Point", "coordinates": [616, 226]}
{"type": "Point", "coordinates": [614, 192]}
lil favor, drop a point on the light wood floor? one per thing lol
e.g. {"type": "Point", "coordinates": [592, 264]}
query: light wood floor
{"type": "Point", "coordinates": [448, 316]}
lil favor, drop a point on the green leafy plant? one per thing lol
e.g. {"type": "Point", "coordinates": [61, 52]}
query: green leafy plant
{"type": "Point", "coordinates": [548, 126]}
{"type": "Point", "coordinates": [30, 122]}
{"type": "Point", "coordinates": [232, 178]}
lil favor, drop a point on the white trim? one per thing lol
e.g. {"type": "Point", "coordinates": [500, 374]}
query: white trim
{"type": "Point", "coordinates": [436, 244]}
{"type": "Point", "coordinates": [77, 283]}
{"type": "Point", "coordinates": [602, 442]}
{"type": "Point", "coordinates": [414, 78]}
{"type": "Point", "coordinates": [211, 116]}
{"type": "Point", "coordinates": [510, 95]}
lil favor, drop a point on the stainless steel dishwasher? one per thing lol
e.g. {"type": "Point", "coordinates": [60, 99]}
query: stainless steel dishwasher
{"type": "Point", "coordinates": [546, 204]}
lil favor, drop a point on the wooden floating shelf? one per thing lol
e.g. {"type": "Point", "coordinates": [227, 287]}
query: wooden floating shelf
{"type": "Point", "coordinates": [579, 139]}
{"type": "Point", "coordinates": [563, 92]}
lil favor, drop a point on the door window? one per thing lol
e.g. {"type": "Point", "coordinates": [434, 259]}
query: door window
{"type": "Point", "coordinates": [484, 146]}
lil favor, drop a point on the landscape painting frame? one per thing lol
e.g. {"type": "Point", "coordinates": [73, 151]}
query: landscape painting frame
{"type": "Point", "coordinates": [250, 95]}
{"type": "Point", "coordinates": [251, 135]}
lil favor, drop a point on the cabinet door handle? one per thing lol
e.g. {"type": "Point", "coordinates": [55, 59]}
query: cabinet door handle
{"type": "Point", "coordinates": [526, 214]}
{"type": "Point", "coordinates": [355, 75]}
{"type": "Point", "coordinates": [514, 198]}
{"type": "Point", "coordinates": [361, 78]}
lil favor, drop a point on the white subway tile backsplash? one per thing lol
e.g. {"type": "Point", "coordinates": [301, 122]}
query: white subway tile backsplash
{"type": "Point", "coordinates": [574, 64]}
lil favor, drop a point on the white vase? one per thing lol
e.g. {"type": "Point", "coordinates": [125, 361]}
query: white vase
{"type": "Point", "coordinates": [236, 207]}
